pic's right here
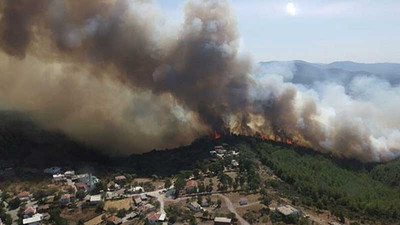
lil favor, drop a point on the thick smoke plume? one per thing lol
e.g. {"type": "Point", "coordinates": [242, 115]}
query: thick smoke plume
{"type": "Point", "coordinates": [111, 73]}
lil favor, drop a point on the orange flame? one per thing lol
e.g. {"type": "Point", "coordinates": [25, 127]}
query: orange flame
{"type": "Point", "coordinates": [289, 142]}
{"type": "Point", "coordinates": [216, 135]}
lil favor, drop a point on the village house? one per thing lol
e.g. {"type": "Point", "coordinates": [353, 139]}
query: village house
{"type": "Point", "coordinates": [29, 212]}
{"type": "Point", "coordinates": [113, 220]}
{"type": "Point", "coordinates": [171, 192]}
{"type": "Point", "coordinates": [95, 199]}
{"type": "Point", "coordinates": [34, 220]}
{"type": "Point", "coordinates": [81, 186]}
{"type": "Point", "coordinates": [69, 174]}
{"type": "Point", "coordinates": [119, 178]}
{"type": "Point", "coordinates": [222, 221]}
{"type": "Point", "coordinates": [137, 199]}
{"type": "Point", "coordinates": [130, 215]}
{"type": "Point", "coordinates": [287, 210]}
{"type": "Point", "coordinates": [43, 208]}
{"type": "Point", "coordinates": [58, 178]}
{"type": "Point", "coordinates": [243, 201]}
{"type": "Point", "coordinates": [235, 163]}
{"type": "Point", "coordinates": [154, 218]}
{"type": "Point", "coordinates": [146, 209]}
{"type": "Point", "coordinates": [65, 199]}
{"type": "Point", "coordinates": [143, 197]}
{"type": "Point", "coordinates": [194, 206]}
{"type": "Point", "coordinates": [204, 203]}
{"type": "Point", "coordinates": [191, 186]}
{"type": "Point", "coordinates": [24, 196]}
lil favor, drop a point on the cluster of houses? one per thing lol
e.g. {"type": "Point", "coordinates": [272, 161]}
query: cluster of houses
{"type": "Point", "coordinates": [144, 207]}
{"type": "Point", "coordinates": [220, 151]}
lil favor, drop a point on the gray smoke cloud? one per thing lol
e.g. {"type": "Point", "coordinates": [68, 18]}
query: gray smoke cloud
{"type": "Point", "coordinates": [111, 73]}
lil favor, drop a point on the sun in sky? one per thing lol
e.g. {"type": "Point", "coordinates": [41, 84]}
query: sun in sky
{"type": "Point", "coordinates": [291, 9]}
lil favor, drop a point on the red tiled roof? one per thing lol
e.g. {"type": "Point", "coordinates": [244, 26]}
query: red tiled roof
{"type": "Point", "coordinates": [23, 194]}
{"type": "Point", "coordinates": [81, 185]}
{"type": "Point", "coordinates": [47, 206]}
{"type": "Point", "coordinates": [64, 196]}
{"type": "Point", "coordinates": [112, 218]}
{"type": "Point", "coordinates": [191, 183]}
{"type": "Point", "coordinates": [120, 177]}
{"type": "Point", "coordinates": [30, 210]}
{"type": "Point", "coordinates": [153, 216]}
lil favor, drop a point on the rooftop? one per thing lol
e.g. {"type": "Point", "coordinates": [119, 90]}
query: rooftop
{"type": "Point", "coordinates": [35, 218]}
{"type": "Point", "coordinates": [222, 220]}
{"type": "Point", "coordinates": [287, 210]}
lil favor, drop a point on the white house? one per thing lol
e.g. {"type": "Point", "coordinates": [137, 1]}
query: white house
{"type": "Point", "coordinates": [69, 174]}
{"type": "Point", "coordinates": [222, 221]}
{"type": "Point", "coordinates": [95, 199]}
{"type": "Point", "coordinates": [34, 220]}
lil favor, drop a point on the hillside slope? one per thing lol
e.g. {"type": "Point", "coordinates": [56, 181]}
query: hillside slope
{"type": "Point", "coordinates": [25, 144]}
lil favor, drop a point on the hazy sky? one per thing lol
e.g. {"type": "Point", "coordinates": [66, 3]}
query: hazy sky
{"type": "Point", "coordinates": [313, 30]}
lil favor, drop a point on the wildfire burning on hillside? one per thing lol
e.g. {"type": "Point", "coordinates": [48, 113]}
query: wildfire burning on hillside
{"type": "Point", "coordinates": [106, 73]}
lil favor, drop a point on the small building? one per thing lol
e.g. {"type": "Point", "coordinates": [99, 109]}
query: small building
{"type": "Point", "coordinates": [191, 186]}
{"type": "Point", "coordinates": [114, 220]}
{"type": "Point", "coordinates": [30, 211]}
{"type": "Point", "coordinates": [69, 174]}
{"type": "Point", "coordinates": [222, 221]}
{"type": "Point", "coordinates": [130, 215]}
{"type": "Point", "coordinates": [194, 206]}
{"type": "Point", "coordinates": [287, 210]}
{"type": "Point", "coordinates": [95, 199]}
{"type": "Point", "coordinates": [34, 220]}
{"type": "Point", "coordinates": [65, 199]}
{"type": "Point", "coordinates": [171, 192]}
{"type": "Point", "coordinates": [58, 178]}
{"type": "Point", "coordinates": [221, 151]}
{"type": "Point", "coordinates": [119, 178]}
{"type": "Point", "coordinates": [52, 170]}
{"type": "Point", "coordinates": [235, 163]}
{"type": "Point", "coordinates": [24, 196]}
{"type": "Point", "coordinates": [143, 209]}
{"type": "Point", "coordinates": [43, 208]}
{"type": "Point", "coordinates": [143, 197]}
{"type": "Point", "coordinates": [243, 201]}
{"type": "Point", "coordinates": [81, 186]}
{"type": "Point", "coordinates": [135, 190]}
{"type": "Point", "coordinates": [204, 203]}
{"type": "Point", "coordinates": [112, 186]}
{"type": "Point", "coordinates": [334, 223]}
{"type": "Point", "coordinates": [137, 199]}
{"type": "Point", "coordinates": [154, 218]}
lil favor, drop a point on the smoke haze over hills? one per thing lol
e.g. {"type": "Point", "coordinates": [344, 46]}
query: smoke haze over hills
{"type": "Point", "coordinates": [108, 74]}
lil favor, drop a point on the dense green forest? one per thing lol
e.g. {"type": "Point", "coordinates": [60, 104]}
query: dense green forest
{"type": "Point", "coordinates": [332, 184]}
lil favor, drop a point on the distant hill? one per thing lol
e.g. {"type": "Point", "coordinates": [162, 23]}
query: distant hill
{"type": "Point", "coordinates": [307, 73]}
